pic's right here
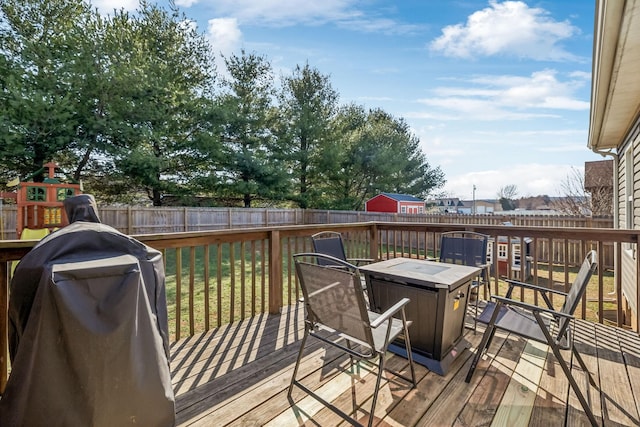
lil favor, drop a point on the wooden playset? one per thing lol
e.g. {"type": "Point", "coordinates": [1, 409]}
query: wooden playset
{"type": "Point", "coordinates": [39, 204]}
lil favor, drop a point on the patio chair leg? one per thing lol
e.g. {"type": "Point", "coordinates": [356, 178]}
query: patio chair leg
{"type": "Point", "coordinates": [583, 366]}
{"type": "Point", "coordinates": [295, 369]}
{"type": "Point", "coordinates": [475, 319]}
{"type": "Point", "coordinates": [487, 337]}
{"type": "Point", "coordinates": [351, 360]}
{"type": "Point", "coordinates": [574, 385]}
{"type": "Point", "coordinates": [376, 390]}
{"type": "Point", "coordinates": [565, 368]}
{"type": "Point", "coordinates": [407, 346]}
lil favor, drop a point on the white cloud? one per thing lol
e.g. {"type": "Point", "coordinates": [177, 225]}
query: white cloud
{"type": "Point", "coordinates": [108, 6]}
{"type": "Point", "coordinates": [461, 108]}
{"type": "Point", "coordinates": [509, 28]}
{"type": "Point", "coordinates": [505, 98]}
{"type": "Point", "coordinates": [186, 3]}
{"type": "Point", "coordinates": [225, 37]}
{"type": "Point", "coordinates": [286, 12]}
{"type": "Point", "coordinates": [378, 25]}
{"type": "Point", "coordinates": [541, 90]}
{"type": "Point", "coordinates": [546, 182]}
{"type": "Point", "coordinates": [574, 134]}
{"type": "Point", "coordinates": [343, 13]}
{"type": "Point", "coordinates": [374, 98]}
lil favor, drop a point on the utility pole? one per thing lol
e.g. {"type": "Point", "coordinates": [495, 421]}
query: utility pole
{"type": "Point", "coordinates": [474, 199]}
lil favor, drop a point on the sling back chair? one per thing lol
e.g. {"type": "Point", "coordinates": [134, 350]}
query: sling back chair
{"type": "Point", "coordinates": [541, 324]}
{"type": "Point", "coordinates": [336, 314]}
{"type": "Point", "coordinates": [468, 248]}
{"type": "Point", "coordinates": [331, 243]}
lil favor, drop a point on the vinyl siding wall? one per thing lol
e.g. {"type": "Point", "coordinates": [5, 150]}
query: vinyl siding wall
{"type": "Point", "coordinates": [629, 212]}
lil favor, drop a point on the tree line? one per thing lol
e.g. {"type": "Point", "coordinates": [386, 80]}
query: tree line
{"type": "Point", "coordinates": [133, 105]}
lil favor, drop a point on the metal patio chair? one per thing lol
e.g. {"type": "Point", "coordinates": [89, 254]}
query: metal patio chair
{"type": "Point", "coordinates": [542, 324]}
{"type": "Point", "coordinates": [331, 243]}
{"type": "Point", "coordinates": [336, 314]}
{"type": "Point", "coordinates": [468, 248]}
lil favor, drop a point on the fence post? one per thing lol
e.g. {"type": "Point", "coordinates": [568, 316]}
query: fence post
{"type": "Point", "coordinates": [129, 221]}
{"type": "Point", "coordinates": [275, 273]}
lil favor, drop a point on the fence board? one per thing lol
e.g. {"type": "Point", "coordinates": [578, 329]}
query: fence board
{"type": "Point", "coordinates": [151, 220]}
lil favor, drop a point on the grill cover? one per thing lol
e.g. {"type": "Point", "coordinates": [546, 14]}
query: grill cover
{"type": "Point", "coordinates": [88, 333]}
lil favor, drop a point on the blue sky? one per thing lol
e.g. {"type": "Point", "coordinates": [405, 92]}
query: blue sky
{"type": "Point", "coordinates": [496, 91]}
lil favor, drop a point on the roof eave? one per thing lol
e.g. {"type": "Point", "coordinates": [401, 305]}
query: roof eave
{"type": "Point", "coordinates": [616, 51]}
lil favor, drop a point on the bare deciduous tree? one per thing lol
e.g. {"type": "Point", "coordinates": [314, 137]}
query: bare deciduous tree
{"type": "Point", "coordinates": [577, 200]}
{"type": "Point", "coordinates": [506, 196]}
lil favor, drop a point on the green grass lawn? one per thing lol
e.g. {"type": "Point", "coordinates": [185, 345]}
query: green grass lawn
{"type": "Point", "coordinates": [557, 282]}
{"type": "Point", "coordinates": [233, 295]}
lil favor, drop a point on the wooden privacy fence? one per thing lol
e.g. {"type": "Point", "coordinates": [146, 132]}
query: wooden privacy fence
{"type": "Point", "coordinates": [134, 220]}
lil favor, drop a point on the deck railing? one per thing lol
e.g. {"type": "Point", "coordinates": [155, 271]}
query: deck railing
{"type": "Point", "coordinates": [218, 277]}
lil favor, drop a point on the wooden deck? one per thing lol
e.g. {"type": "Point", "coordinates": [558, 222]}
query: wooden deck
{"type": "Point", "coordinates": [238, 375]}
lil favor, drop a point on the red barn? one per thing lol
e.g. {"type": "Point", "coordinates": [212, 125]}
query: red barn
{"type": "Point", "coordinates": [396, 203]}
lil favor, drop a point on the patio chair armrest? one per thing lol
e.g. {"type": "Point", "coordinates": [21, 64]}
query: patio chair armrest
{"type": "Point", "coordinates": [390, 312]}
{"type": "Point", "coordinates": [534, 287]}
{"type": "Point", "coordinates": [530, 307]}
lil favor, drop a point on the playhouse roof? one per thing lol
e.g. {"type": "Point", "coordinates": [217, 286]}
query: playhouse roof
{"type": "Point", "coordinates": [402, 197]}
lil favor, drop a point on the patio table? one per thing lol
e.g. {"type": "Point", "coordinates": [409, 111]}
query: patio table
{"type": "Point", "coordinates": [439, 296]}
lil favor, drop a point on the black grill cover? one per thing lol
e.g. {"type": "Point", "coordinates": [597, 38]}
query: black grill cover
{"type": "Point", "coordinates": [88, 333]}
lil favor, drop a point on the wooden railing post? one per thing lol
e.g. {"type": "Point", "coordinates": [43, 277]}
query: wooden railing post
{"type": "Point", "coordinates": [275, 273]}
{"type": "Point", "coordinates": [374, 242]}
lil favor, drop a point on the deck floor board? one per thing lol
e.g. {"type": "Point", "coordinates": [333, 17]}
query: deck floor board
{"type": "Point", "coordinates": [238, 375]}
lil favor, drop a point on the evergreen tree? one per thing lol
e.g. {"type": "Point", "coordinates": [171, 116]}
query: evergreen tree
{"type": "Point", "coordinates": [249, 165]}
{"type": "Point", "coordinates": [42, 54]}
{"type": "Point", "coordinates": [308, 105]}
{"type": "Point", "coordinates": [378, 153]}
{"type": "Point", "coordinates": [168, 75]}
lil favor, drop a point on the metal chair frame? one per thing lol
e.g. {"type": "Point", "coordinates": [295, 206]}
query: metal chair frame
{"type": "Point", "coordinates": [538, 323]}
{"type": "Point", "coordinates": [468, 248]}
{"type": "Point", "coordinates": [327, 292]}
{"type": "Point", "coordinates": [331, 243]}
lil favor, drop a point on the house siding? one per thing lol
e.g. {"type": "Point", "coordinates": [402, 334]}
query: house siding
{"type": "Point", "coordinates": [632, 142]}
{"type": "Point", "coordinates": [622, 214]}
{"type": "Point", "coordinates": [629, 252]}
{"type": "Point", "coordinates": [636, 181]}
